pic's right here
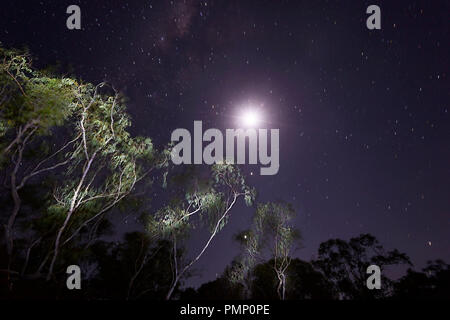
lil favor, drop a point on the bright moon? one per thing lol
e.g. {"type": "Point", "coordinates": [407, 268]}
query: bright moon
{"type": "Point", "coordinates": [251, 118]}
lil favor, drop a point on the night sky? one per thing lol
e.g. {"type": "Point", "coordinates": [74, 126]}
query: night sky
{"type": "Point", "coordinates": [363, 114]}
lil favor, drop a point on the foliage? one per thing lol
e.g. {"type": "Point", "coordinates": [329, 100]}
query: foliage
{"type": "Point", "coordinates": [305, 282]}
{"type": "Point", "coordinates": [345, 264]}
{"type": "Point", "coordinates": [432, 283]}
{"type": "Point", "coordinates": [132, 269]}
{"type": "Point", "coordinates": [75, 135]}
{"type": "Point", "coordinates": [207, 205]}
{"type": "Point", "coordinates": [271, 231]}
{"type": "Point", "coordinates": [30, 99]}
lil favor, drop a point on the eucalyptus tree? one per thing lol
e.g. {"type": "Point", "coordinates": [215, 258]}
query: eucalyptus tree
{"type": "Point", "coordinates": [31, 102]}
{"type": "Point", "coordinates": [250, 241]}
{"type": "Point", "coordinates": [108, 164]}
{"type": "Point", "coordinates": [206, 205]}
{"type": "Point", "coordinates": [272, 233]}
{"type": "Point", "coordinates": [79, 133]}
{"type": "Point", "coordinates": [32, 105]}
{"type": "Point", "coordinates": [278, 217]}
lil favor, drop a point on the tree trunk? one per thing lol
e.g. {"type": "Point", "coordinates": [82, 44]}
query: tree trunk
{"type": "Point", "coordinates": [169, 294]}
{"type": "Point", "coordinates": [172, 288]}
{"type": "Point", "coordinates": [57, 241]}
{"type": "Point", "coordinates": [9, 232]}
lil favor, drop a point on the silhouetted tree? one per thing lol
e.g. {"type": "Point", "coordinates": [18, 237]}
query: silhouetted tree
{"type": "Point", "coordinates": [432, 283]}
{"type": "Point", "coordinates": [345, 264]}
{"type": "Point", "coordinates": [133, 269]}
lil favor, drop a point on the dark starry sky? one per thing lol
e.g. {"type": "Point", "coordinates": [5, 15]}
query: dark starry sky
{"type": "Point", "coordinates": [363, 115]}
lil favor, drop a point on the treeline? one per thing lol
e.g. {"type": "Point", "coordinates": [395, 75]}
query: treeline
{"type": "Point", "coordinates": [338, 272]}
{"type": "Point", "coordinates": [69, 163]}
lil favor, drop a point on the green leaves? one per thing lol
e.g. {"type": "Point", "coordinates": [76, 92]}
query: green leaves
{"type": "Point", "coordinates": [249, 196]}
{"type": "Point", "coordinates": [207, 203]}
{"type": "Point", "coordinates": [31, 96]}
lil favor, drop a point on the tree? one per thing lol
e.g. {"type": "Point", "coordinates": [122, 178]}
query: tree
{"type": "Point", "coordinates": [108, 164]}
{"type": "Point", "coordinates": [271, 231]}
{"type": "Point", "coordinates": [132, 269]}
{"type": "Point", "coordinates": [208, 204]}
{"type": "Point", "coordinates": [32, 105]}
{"type": "Point", "coordinates": [432, 283]}
{"type": "Point", "coordinates": [218, 289]}
{"type": "Point", "coordinates": [277, 217]}
{"type": "Point", "coordinates": [304, 282]}
{"type": "Point", "coordinates": [345, 264]}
